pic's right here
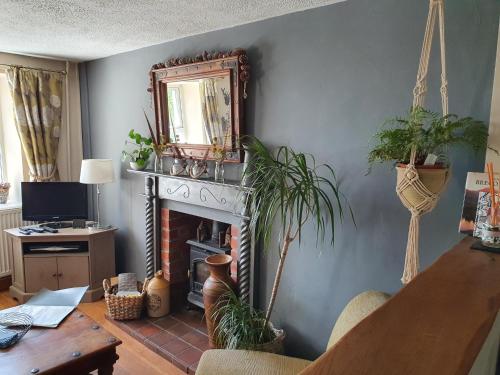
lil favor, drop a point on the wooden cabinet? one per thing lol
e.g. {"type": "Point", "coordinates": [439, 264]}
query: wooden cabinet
{"type": "Point", "coordinates": [56, 272]}
{"type": "Point", "coordinates": [92, 262]}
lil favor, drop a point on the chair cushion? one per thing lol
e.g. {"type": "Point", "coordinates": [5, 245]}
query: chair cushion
{"type": "Point", "coordinates": [234, 362]}
{"type": "Point", "coordinates": [355, 311]}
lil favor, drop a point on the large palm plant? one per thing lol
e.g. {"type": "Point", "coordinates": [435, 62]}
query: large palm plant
{"type": "Point", "coordinates": [287, 188]}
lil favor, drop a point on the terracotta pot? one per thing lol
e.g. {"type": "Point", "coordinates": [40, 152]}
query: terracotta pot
{"type": "Point", "coordinates": [158, 296]}
{"type": "Point", "coordinates": [434, 178]}
{"type": "Point", "coordinates": [218, 283]}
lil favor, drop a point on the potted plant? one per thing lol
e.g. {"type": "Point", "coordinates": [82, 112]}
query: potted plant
{"type": "Point", "coordinates": [288, 190]}
{"type": "Point", "coordinates": [418, 144]}
{"type": "Point", "coordinates": [4, 192]}
{"type": "Point", "coordinates": [142, 150]}
{"type": "Point", "coordinates": [431, 134]}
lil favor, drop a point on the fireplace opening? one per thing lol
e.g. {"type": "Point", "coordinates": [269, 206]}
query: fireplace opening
{"type": "Point", "coordinates": [187, 241]}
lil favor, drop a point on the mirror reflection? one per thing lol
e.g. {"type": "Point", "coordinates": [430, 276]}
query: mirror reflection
{"type": "Point", "coordinates": [200, 111]}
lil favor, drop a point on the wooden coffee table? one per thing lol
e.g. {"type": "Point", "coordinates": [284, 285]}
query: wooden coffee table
{"type": "Point", "coordinates": [78, 346]}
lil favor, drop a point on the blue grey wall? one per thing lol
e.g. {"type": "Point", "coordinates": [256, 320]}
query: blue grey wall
{"type": "Point", "coordinates": [323, 80]}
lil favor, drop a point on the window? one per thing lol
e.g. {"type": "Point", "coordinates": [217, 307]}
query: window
{"type": "Point", "coordinates": [11, 158]}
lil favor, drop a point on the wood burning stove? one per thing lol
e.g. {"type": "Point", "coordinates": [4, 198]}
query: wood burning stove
{"type": "Point", "coordinates": [199, 251]}
{"type": "Point", "coordinates": [198, 271]}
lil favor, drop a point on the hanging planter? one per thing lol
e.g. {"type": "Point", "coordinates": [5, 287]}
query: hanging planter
{"type": "Point", "coordinates": [419, 142]}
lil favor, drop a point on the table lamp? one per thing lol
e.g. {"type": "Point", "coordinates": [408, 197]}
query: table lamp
{"type": "Point", "coordinates": [97, 171]}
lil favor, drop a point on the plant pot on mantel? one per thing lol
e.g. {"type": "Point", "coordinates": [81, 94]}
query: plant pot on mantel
{"type": "Point", "coordinates": [434, 177]}
{"type": "Point", "coordinates": [216, 285]}
{"type": "Point", "coordinates": [138, 166]}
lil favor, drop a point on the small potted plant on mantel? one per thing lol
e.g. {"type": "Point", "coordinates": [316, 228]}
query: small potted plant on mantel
{"type": "Point", "coordinates": [142, 150]}
{"type": "Point", "coordinates": [431, 135]}
{"type": "Point", "coordinates": [288, 191]}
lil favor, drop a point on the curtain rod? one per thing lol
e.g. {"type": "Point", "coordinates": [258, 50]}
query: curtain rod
{"type": "Point", "coordinates": [30, 68]}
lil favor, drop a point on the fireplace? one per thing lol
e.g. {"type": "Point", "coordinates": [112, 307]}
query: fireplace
{"type": "Point", "coordinates": [174, 208]}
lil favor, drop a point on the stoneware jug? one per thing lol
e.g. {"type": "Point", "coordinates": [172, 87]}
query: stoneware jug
{"type": "Point", "coordinates": [215, 286]}
{"type": "Point", "coordinates": [158, 296]}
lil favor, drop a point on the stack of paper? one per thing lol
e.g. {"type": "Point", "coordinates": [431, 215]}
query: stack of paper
{"type": "Point", "coordinates": [49, 308]}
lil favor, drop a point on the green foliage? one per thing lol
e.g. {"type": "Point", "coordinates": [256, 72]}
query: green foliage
{"type": "Point", "coordinates": [240, 326]}
{"type": "Point", "coordinates": [288, 187]}
{"type": "Point", "coordinates": [429, 132]}
{"type": "Point", "coordinates": [142, 148]}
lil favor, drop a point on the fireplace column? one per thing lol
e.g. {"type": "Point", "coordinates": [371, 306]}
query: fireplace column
{"type": "Point", "coordinates": [150, 227]}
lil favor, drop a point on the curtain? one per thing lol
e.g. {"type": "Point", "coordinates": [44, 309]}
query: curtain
{"type": "Point", "coordinates": [37, 97]}
{"type": "Point", "coordinates": [209, 109]}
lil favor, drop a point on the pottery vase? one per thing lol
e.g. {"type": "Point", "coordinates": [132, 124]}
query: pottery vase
{"type": "Point", "coordinates": [216, 285]}
{"type": "Point", "coordinates": [158, 296]}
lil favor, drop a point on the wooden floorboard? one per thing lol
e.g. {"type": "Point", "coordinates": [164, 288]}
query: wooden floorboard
{"type": "Point", "coordinates": [135, 358]}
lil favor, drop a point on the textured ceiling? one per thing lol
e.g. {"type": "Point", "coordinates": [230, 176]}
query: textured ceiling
{"type": "Point", "coordinates": [90, 29]}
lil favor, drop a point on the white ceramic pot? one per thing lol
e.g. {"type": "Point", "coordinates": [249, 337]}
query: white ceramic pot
{"type": "Point", "coordinates": [137, 167]}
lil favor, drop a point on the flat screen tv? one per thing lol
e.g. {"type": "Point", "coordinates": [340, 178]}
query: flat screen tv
{"type": "Point", "coordinates": [54, 201]}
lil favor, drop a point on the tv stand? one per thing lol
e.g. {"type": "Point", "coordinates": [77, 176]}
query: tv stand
{"type": "Point", "coordinates": [58, 224]}
{"type": "Point", "coordinates": [67, 259]}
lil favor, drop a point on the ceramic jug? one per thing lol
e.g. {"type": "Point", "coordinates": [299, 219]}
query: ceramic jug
{"type": "Point", "coordinates": [158, 296]}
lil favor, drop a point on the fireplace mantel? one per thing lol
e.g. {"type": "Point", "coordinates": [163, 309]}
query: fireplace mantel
{"type": "Point", "coordinates": [228, 198]}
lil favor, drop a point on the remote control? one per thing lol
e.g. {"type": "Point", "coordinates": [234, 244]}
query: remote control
{"type": "Point", "coordinates": [50, 230]}
{"type": "Point", "coordinates": [24, 231]}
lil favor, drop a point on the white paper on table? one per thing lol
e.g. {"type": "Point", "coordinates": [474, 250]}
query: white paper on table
{"type": "Point", "coordinates": [48, 308]}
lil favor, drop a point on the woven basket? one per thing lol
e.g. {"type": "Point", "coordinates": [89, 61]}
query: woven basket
{"type": "Point", "coordinates": [124, 307]}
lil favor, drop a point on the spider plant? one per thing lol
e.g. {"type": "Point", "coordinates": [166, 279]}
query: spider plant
{"type": "Point", "coordinates": [239, 325]}
{"type": "Point", "coordinates": [288, 188]}
{"type": "Point", "coordinates": [430, 133]}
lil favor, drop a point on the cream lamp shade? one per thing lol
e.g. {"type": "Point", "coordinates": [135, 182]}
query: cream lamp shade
{"type": "Point", "coordinates": [97, 171]}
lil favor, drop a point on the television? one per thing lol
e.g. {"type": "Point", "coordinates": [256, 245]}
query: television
{"type": "Point", "coordinates": [54, 201]}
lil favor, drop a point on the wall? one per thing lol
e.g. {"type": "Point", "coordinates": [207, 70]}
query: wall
{"type": "Point", "coordinates": [323, 81]}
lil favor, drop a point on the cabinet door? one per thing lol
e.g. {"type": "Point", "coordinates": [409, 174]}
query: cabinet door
{"type": "Point", "coordinates": [40, 272]}
{"type": "Point", "coordinates": [73, 271]}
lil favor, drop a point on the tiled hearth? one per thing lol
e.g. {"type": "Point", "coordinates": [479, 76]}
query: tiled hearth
{"type": "Point", "coordinates": [180, 337]}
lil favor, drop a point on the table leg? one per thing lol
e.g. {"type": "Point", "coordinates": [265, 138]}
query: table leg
{"type": "Point", "coordinates": [107, 367]}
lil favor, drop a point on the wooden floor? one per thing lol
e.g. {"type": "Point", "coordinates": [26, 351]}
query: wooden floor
{"type": "Point", "coordinates": [135, 358]}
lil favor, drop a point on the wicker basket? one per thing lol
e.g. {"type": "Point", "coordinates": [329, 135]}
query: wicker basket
{"type": "Point", "coordinates": [124, 307]}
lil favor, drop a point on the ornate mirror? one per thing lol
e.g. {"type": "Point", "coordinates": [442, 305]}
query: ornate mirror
{"type": "Point", "coordinates": [199, 102]}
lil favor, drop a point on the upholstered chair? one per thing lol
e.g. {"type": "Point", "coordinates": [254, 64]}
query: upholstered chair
{"type": "Point", "coordinates": [235, 362]}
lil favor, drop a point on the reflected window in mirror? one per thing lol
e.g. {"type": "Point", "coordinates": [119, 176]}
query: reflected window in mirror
{"type": "Point", "coordinates": [200, 111]}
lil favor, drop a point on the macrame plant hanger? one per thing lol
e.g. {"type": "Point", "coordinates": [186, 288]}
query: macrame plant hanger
{"type": "Point", "coordinates": [426, 199]}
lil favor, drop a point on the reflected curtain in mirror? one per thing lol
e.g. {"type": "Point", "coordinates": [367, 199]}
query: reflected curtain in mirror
{"type": "Point", "coordinates": [37, 97]}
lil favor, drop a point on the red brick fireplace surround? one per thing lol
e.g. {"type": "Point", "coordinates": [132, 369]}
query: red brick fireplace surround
{"type": "Point", "coordinates": [176, 229]}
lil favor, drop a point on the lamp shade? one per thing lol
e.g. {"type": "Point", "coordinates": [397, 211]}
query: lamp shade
{"type": "Point", "coordinates": [97, 171]}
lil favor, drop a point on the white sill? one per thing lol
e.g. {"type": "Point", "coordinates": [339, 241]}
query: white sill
{"type": "Point", "coordinates": [10, 206]}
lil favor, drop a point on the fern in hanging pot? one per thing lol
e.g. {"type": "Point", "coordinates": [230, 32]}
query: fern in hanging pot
{"type": "Point", "coordinates": [431, 135]}
{"type": "Point", "coordinates": [418, 145]}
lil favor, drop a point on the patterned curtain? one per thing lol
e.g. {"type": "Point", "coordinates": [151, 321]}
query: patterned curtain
{"type": "Point", "coordinates": [209, 109]}
{"type": "Point", "coordinates": [37, 97]}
